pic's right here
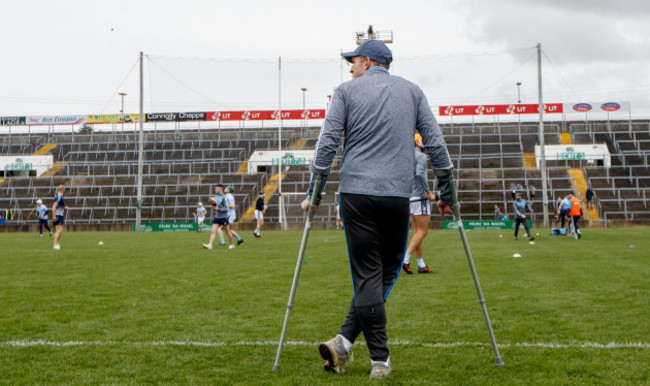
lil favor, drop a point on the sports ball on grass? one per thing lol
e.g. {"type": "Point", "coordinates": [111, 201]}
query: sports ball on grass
{"type": "Point", "coordinates": [101, 243]}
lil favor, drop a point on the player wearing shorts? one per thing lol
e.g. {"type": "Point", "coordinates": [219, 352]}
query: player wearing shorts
{"type": "Point", "coordinates": [59, 208]}
{"type": "Point", "coordinates": [199, 215]}
{"type": "Point", "coordinates": [260, 208]}
{"type": "Point", "coordinates": [218, 203]}
{"type": "Point", "coordinates": [232, 215]}
{"type": "Point", "coordinates": [42, 217]}
{"type": "Point", "coordinates": [420, 209]}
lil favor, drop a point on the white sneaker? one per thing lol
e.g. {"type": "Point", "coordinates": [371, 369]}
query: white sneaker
{"type": "Point", "coordinates": [231, 247]}
{"type": "Point", "coordinates": [335, 355]}
{"type": "Point", "coordinates": [56, 247]}
{"type": "Point", "coordinates": [206, 246]}
{"type": "Point", "coordinates": [380, 369]}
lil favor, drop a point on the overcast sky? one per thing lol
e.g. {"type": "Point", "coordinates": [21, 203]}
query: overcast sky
{"type": "Point", "coordinates": [73, 57]}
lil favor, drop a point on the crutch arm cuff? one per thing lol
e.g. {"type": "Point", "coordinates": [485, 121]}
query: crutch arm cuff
{"type": "Point", "coordinates": [444, 183]}
{"type": "Point", "coordinates": [317, 172]}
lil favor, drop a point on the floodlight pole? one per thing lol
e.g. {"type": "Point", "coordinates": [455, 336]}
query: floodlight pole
{"type": "Point", "coordinates": [518, 102]}
{"type": "Point", "coordinates": [280, 200]}
{"type": "Point", "coordinates": [541, 133]}
{"type": "Point", "coordinates": [518, 92]}
{"type": "Point", "coordinates": [138, 212]}
{"type": "Point", "coordinates": [304, 108]}
{"type": "Point", "coordinates": [122, 94]}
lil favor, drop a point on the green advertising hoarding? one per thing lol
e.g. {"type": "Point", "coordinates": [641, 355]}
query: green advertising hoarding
{"type": "Point", "coordinates": [486, 224]}
{"type": "Point", "coordinates": [290, 161]}
{"type": "Point", "coordinates": [569, 156]}
{"type": "Point", "coordinates": [168, 227]}
{"type": "Point", "coordinates": [19, 166]}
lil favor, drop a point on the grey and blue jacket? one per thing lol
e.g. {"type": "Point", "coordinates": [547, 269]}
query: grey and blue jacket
{"type": "Point", "coordinates": [420, 183]}
{"type": "Point", "coordinates": [379, 114]}
{"type": "Point", "coordinates": [520, 206]}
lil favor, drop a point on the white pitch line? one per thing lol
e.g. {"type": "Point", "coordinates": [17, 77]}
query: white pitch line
{"type": "Point", "coordinates": [611, 345]}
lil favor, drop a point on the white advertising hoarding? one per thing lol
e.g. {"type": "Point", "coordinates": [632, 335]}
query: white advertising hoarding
{"type": "Point", "coordinates": [55, 120]}
{"type": "Point", "coordinates": [40, 163]}
{"type": "Point", "coordinates": [590, 153]}
{"type": "Point", "coordinates": [274, 157]}
{"type": "Point", "coordinates": [597, 107]}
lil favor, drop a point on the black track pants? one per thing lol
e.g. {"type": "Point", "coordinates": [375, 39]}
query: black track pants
{"type": "Point", "coordinates": [524, 222]}
{"type": "Point", "coordinates": [42, 223]}
{"type": "Point", "coordinates": [376, 231]}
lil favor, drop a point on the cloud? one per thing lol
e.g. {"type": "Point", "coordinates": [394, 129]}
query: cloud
{"type": "Point", "coordinates": [575, 31]}
{"type": "Point", "coordinates": [632, 9]}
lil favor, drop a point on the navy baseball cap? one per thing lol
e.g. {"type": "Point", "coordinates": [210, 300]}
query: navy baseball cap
{"type": "Point", "coordinates": [373, 49]}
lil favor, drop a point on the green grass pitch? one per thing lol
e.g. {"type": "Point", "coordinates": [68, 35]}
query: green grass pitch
{"type": "Point", "coordinates": [156, 308]}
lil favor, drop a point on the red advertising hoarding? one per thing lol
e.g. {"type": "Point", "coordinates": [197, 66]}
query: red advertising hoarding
{"type": "Point", "coordinates": [264, 115]}
{"type": "Point", "coordinates": [549, 108]}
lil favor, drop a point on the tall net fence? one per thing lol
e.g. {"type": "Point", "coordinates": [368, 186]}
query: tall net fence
{"type": "Point", "coordinates": [180, 84]}
{"type": "Point", "coordinates": [475, 78]}
{"type": "Point", "coordinates": [195, 83]}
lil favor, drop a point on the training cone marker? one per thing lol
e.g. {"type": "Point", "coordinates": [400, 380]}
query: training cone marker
{"type": "Point", "coordinates": [516, 255]}
{"type": "Point", "coordinates": [632, 246]}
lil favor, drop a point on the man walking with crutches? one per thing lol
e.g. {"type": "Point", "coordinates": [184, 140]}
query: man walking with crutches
{"type": "Point", "coordinates": [380, 114]}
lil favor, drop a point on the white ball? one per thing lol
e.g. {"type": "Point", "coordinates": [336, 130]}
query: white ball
{"type": "Point", "coordinates": [101, 243]}
{"type": "Point", "coordinates": [500, 235]}
{"type": "Point", "coordinates": [536, 234]}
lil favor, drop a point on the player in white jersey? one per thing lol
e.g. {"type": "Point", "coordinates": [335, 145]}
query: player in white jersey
{"type": "Point", "coordinates": [232, 215]}
{"type": "Point", "coordinates": [42, 217]}
{"type": "Point", "coordinates": [199, 215]}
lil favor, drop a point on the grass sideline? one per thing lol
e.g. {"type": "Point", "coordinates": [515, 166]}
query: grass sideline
{"type": "Point", "coordinates": [157, 308]}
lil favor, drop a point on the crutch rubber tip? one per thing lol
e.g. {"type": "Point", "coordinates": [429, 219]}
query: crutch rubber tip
{"type": "Point", "coordinates": [277, 367]}
{"type": "Point", "coordinates": [499, 362]}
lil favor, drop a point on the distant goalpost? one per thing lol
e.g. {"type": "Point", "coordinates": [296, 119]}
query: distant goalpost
{"type": "Point", "coordinates": [289, 204]}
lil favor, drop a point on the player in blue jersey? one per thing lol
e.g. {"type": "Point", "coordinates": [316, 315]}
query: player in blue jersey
{"type": "Point", "coordinates": [420, 208]}
{"type": "Point", "coordinates": [42, 217]}
{"type": "Point", "coordinates": [218, 203]}
{"type": "Point", "coordinates": [260, 208]}
{"type": "Point", "coordinates": [58, 209]}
